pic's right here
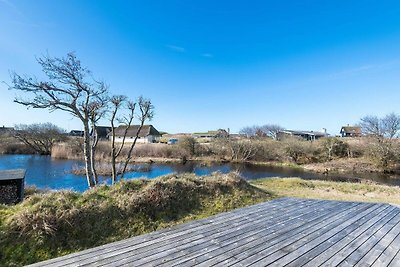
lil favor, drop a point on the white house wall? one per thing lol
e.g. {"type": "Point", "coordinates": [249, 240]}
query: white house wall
{"type": "Point", "coordinates": [140, 140]}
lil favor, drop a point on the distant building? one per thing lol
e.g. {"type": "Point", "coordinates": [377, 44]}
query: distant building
{"type": "Point", "coordinates": [350, 131]}
{"type": "Point", "coordinates": [306, 135]}
{"type": "Point", "coordinates": [212, 134]}
{"type": "Point", "coordinates": [148, 134]}
{"type": "Point", "coordinates": [103, 132]}
{"type": "Point", "coordinates": [76, 133]}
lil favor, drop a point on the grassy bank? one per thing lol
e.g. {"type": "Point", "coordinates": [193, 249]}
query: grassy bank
{"type": "Point", "coordinates": [316, 189]}
{"type": "Point", "coordinates": [52, 224]}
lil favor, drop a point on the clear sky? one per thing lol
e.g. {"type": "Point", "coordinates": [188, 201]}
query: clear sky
{"type": "Point", "coordinates": [212, 64]}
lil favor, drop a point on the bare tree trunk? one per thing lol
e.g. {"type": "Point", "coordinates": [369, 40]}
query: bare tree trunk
{"type": "Point", "coordinates": [87, 155]}
{"type": "Point", "coordinates": [113, 153]}
{"type": "Point", "coordinates": [129, 156]}
{"type": "Point", "coordinates": [117, 101]}
{"type": "Point", "coordinates": [93, 154]}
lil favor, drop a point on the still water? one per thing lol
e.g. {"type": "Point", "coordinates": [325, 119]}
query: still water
{"type": "Point", "coordinates": [47, 173]}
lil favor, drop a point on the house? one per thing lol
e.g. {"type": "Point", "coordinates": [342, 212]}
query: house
{"type": "Point", "coordinates": [148, 134]}
{"type": "Point", "coordinates": [103, 132]}
{"type": "Point", "coordinates": [76, 133]}
{"type": "Point", "coordinates": [306, 135]}
{"type": "Point", "coordinates": [212, 134]}
{"type": "Point", "coordinates": [350, 131]}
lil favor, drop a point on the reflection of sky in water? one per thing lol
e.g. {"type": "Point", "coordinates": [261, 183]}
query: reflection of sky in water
{"type": "Point", "coordinates": [45, 172]}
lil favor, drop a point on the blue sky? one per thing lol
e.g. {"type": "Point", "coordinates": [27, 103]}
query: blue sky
{"type": "Point", "coordinates": [216, 64]}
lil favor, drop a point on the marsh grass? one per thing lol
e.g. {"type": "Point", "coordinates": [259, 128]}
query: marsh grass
{"type": "Point", "coordinates": [51, 224]}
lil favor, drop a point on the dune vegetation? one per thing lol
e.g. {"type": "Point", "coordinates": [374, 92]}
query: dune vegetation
{"type": "Point", "coordinates": [50, 224]}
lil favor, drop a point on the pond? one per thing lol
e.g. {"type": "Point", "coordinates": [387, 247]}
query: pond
{"type": "Point", "coordinates": [47, 173]}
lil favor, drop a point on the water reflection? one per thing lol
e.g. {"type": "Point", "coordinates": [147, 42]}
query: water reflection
{"type": "Point", "coordinates": [45, 172]}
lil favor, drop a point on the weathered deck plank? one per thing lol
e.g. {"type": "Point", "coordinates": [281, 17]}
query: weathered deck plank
{"type": "Point", "coordinates": [242, 249]}
{"type": "Point", "coordinates": [368, 245]}
{"type": "Point", "coordinates": [360, 234]}
{"type": "Point", "coordinates": [179, 256]}
{"type": "Point", "coordinates": [225, 232]}
{"type": "Point", "coordinates": [388, 254]}
{"type": "Point", "coordinates": [286, 254]}
{"type": "Point", "coordinates": [380, 247]}
{"type": "Point", "coordinates": [292, 232]}
{"type": "Point", "coordinates": [311, 249]}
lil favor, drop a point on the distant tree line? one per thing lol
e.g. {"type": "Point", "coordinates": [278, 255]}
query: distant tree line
{"type": "Point", "coordinates": [270, 130]}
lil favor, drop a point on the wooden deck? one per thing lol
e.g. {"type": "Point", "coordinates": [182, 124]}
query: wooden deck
{"type": "Point", "coordinates": [283, 232]}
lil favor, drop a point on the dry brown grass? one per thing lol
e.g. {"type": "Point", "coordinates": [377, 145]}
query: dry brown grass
{"type": "Point", "coordinates": [10, 145]}
{"type": "Point", "coordinates": [316, 189]}
{"type": "Point", "coordinates": [343, 165]}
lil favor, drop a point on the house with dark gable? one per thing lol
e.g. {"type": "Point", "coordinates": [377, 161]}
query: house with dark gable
{"type": "Point", "coordinates": [76, 133]}
{"type": "Point", "coordinates": [306, 135]}
{"type": "Point", "coordinates": [103, 132]}
{"type": "Point", "coordinates": [350, 131]}
{"type": "Point", "coordinates": [220, 133]}
{"type": "Point", "coordinates": [148, 134]}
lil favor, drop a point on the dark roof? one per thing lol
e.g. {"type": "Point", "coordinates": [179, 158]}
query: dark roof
{"type": "Point", "coordinates": [14, 174]}
{"type": "Point", "coordinates": [311, 133]}
{"type": "Point", "coordinates": [351, 129]}
{"type": "Point", "coordinates": [103, 131]}
{"type": "Point", "coordinates": [217, 133]}
{"type": "Point", "coordinates": [132, 131]}
{"type": "Point", "coordinates": [76, 133]}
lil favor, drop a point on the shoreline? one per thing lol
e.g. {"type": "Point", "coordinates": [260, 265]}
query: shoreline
{"type": "Point", "coordinates": [342, 166]}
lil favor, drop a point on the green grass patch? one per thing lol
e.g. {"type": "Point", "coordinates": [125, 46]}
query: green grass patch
{"type": "Point", "coordinates": [50, 224]}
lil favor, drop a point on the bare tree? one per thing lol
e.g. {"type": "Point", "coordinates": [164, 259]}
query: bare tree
{"type": "Point", "coordinates": [382, 130]}
{"type": "Point", "coordinates": [371, 125]}
{"type": "Point", "coordinates": [388, 126]}
{"type": "Point", "coordinates": [272, 130]}
{"type": "Point", "coordinates": [39, 136]}
{"type": "Point", "coordinates": [97, 110]}
{"type": "Point", "coordinates": [249, 131]}
{"type": "Point", "coordinates": [391, 125]}
{"type": "Point", "coordinates": [119, 102]}
{"type": "Point", "coordinates": [146, 112]}
{"type": "Point", "coordinates": [70, 87]}
{"type": "Point", "coordinates": [124, 111]}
